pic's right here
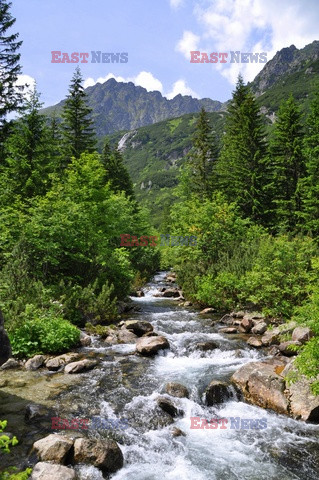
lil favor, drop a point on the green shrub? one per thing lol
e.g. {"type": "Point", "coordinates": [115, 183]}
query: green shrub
{"type": "Point", "coordinates": [5, 443]}
{"type": "Point", "coordinates": [42, 332]}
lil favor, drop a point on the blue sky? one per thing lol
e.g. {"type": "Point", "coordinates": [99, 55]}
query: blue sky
{"type": "Point", "coordinates": [158, 36]}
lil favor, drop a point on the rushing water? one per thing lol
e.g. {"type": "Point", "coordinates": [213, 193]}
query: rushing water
{"type": "Point", "coordinates": [127, 385]}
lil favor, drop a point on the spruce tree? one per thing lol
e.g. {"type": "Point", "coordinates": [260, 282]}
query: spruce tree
{"type": "Point", "coordinates": [77, 130]}
{"type": "Point", "coordinates": [10, 94]}
{"type": "Point", "coordinates": [198, 174]}
{"type": "Point", "coordinates": [27, 151]}
{"type": "Point", "coordinates": [115, 171]}
{"type": "Point", "coordinates": [309, 190]}
{"type": "Point", "coordinates": [288, 166]}
{"type": "Point", "coordinates": [241, 169]}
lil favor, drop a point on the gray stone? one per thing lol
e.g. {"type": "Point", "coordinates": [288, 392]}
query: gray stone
{"type": "Point", "coordinates": [176, 390]}
{"type": "Point", "coordinates": [151, 345]}
{"type": "Point", "coordinates": [302, 334]}
{"type": "Point", "coordinates": [104, 454]}
{"type": "Point", "coordinates": [50, 471]}
{"type": "Point", "coordinates": [216, 392]}
{"type": "Point", "coordinates": [259, 328]}
{"type": "Point", "coordinates": [35, 362]}
{"type": "Point", "coordinates": [53, 448]}
{"type": "Point", "coordinates": [81, 366]}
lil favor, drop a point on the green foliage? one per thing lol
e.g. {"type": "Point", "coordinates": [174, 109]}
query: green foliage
{"type": "Point", "coordinates": [5, 443]}
{"type": "Point", "coordinates": [98, 305]}
{"type": "Point", "coordinates": [115, 171]}
{"type": "Point", "coordinates": [98, 329]}
{"type": "Point", "coordinates": [42, 332]}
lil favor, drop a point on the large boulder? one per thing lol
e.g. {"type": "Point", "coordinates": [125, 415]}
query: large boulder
{"type": "Point", "coordinates": [85, 340]}
{"type": "Point", "coordinates": [302, 334]}
{"type": "Point", "coordinates": [246, 325]}
{"type": "Point", "coordinates": [176, 390]}
{"type": "Point", "coordinates": [53, 448]}
{"type": "Point", "coordinates": [262, 384]}
{"type": "Point", "coordinates": [285, 349]}
{"type": "Point", "coordinates": [81, 366]}
{"type": "Point", "coordinates": [216, 392]}
{"type": "Point", "coordinates": [254, 342]}
{"type": "Point", "coordinates": [271, 337]}
{"type": "Point", "coordinates": [171, 292]}
{"type": "Point", "coordinates": [104, 454]}
{"type": "Point", "coordinates": [228, 330]}
{"type": "Point", "coordinates": [207, 311]}
{"type": "Point", "coordinates": [206, 346]}
{"type": "Point", "coordinates": [5, 347]}
{"type": "Point", "coordinates": [10, 364]}
{"type": "Point", "coordinates": [49, 471]}
{"type": "Point", "coordinates": [139, 327]}
{"type": "Point", "coordinates": [151, 345]}
{"type": "Point", "coordinates": [35, 362]}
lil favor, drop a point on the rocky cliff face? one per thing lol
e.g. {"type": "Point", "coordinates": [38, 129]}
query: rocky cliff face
{"type": "Point", "coordinates": [286, 62]}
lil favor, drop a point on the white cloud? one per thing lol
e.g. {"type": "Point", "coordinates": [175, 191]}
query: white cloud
{"type": "Point", "coordinates": [181, 87]}
{"type": "Point", "coordinates": [90, 82]}
{"type": "Point", "coordinates": [176, 3]}
{"type": "Point", "coordinates": [29, 83]}
{"type": "Point", "coordinates": [189, 42]}
{"type": "Point", "coordinates": [250, 26]}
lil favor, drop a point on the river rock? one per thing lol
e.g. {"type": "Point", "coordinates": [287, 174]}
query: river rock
{"type": "Point", "coordinates": [262, 386]}
{"type": "Point", "coordinates": [85, 340]}
{"type": "Point", "coordinates": [139, 327]}
{"type": "Point", "coordinates": [302, 334]}
{"type": "Point", "coordinates": [207, 310]}
{"type": "Point", "coordinates": [151, 345]}
{"type": "Point", "coordinates": [81, 366]}
{"type": "Point", "coordinates": [104, 454]}
{"type": "Point", "coordinates": [168, 406]}
{"type": "Point", "coordinates": [53, 448]}
{"type": "Point", "coordinates": [206, 346]}
{"type": "Point", "coordinates": [245, 325]}
{"type": "Point", "coordinates": [228, 330]}
{"type": "Point", "coordinates": [171, 292]}
{"type": "Point", "coordinates": [177, 432]}
{"type": "Point", "coordinates": [10, 364]}
{"type": "Point", "coordinates": [57, 362]}
{"type": "Point", "coordinates": [50, 471]}
{"type": "Point", "coordinates": [35, 412]}
{"type": "Point", "coordinates": [176, 390]}
{"type": "Point", "coordinates": [271, 337]}
{"type": "Point", "coordinates": [284, 348]}
{"type": "Point", "coordinates": [254, 342]}
{"type": "Point", "coordinates": [35, 362]}
{"type": "Point", "coordinates": [125, 336]}
{"type": "Point", "coordinates": [239, 314]}
{"type": "Point", "coordinates": [188, 304]}
{"type": "Point", "coordinates": [227, 319]}
{"type": "Point", "coordinates": [216, 393]}
{"type": "Point", "coordinates": [259, 328]}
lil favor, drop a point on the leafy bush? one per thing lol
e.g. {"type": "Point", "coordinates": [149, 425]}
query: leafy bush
{"type": "Point", "coordinates": [42, 332]}
{"type": "Point", "coordinates": [5, 443]}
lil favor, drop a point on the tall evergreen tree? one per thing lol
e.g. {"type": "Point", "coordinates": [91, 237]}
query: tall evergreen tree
{"type": "Point", "coordinates": [241, 168]}
{"type": "Point", "coordinates": [288, 166]}
{"type": "Point", "coordinates": [115, 171]}
{"type": "Point", "coordinates": [198, 176]}
{"type": "Point", "coordinates": [77, 130]}
{"type": "Point", "coordinates": [27, 150]}
{"type": "Point", "coordinates": [309, 191]}
{"type": "Point", "coordinates": [10, 94]}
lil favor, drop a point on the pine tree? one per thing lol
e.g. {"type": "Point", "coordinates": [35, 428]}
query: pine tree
{"type": "Point", "coordinates": [27, 150]}
{"type": "Point", "coordinates": [288, 166]}
{"type": "Point", "coordinates": [77, 131]}
{"type": "Point", "coordinates": [309, 186]}
{"type": "Point", "coordinates": [241, 168]}
{"type": "Point", "coordinates": [10, 94]}
{"type": "Point", "coordinates": [115, 171]}
{"type": "Point", "coordinates": [198, 175]}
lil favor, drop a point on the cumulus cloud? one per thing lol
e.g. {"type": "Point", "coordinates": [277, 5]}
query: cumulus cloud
{"type": "Point", "coordinates": [176, 3]}
{"type": "Point", "coordinates": [250, 26]}
{"type": "Point", "coordinates": [181, 87]}
{"type": "Point", "coordinates": [189, 42]}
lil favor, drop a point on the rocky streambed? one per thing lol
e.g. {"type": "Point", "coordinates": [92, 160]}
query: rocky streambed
{"type": "Point", "coordinates": [171, 394]}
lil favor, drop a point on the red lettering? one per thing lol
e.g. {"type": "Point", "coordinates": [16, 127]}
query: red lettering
{"type": "Point", "coordinates": [222, 55]}
{"type": "Point", "coordinates": [194, 58]}
{"type": "Point", "coordinates": [65, 58]}
{"type": "Point", "coordinates": [124, 239]}
{"type": "Point", "coordinates": [143, 241]}
{"type": "Point", "coordinates": [194, 421]}
{"type": "Point", "coordinates": [55, 57]}
{"type": "Point", "coordinates": [84, 56]}
{"type": "Point", "coordinates": [214, 57]}
{"type": "Point", "coordinates": [84, 423]}
{"type": "Point", "coordinates": [55, 423]}
{"type": "Point", "coordinates": [75, 57]}
{"type": "Point", "coordinates": [134, 242]}
{"type": "Point", "coordinates": [204, 58]}
{"type": "Point", "coordinates": [152, 244]}
{"type": "Point", "coordinates": [222, 421]}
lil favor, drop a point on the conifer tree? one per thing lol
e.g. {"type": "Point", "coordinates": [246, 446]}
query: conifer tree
{"type": "Point", "coordinates": [77, 130]}
{"type": "Point", "coordinates": [309, 191]}
{"type": "Point", "coordinates": [198, 175]}
{"type": "Point", "coordinates": [115, 171]}
{"type": "Point", "coordinates": [10, 94]}
{"type": "Point", "coordinates": [241, 168]}
{"type": "Point", "coordinates": [287, 165]}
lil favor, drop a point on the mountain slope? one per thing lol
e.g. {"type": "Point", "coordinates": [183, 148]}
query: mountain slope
{"type": "Point", "coordinates": [123, 106]}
